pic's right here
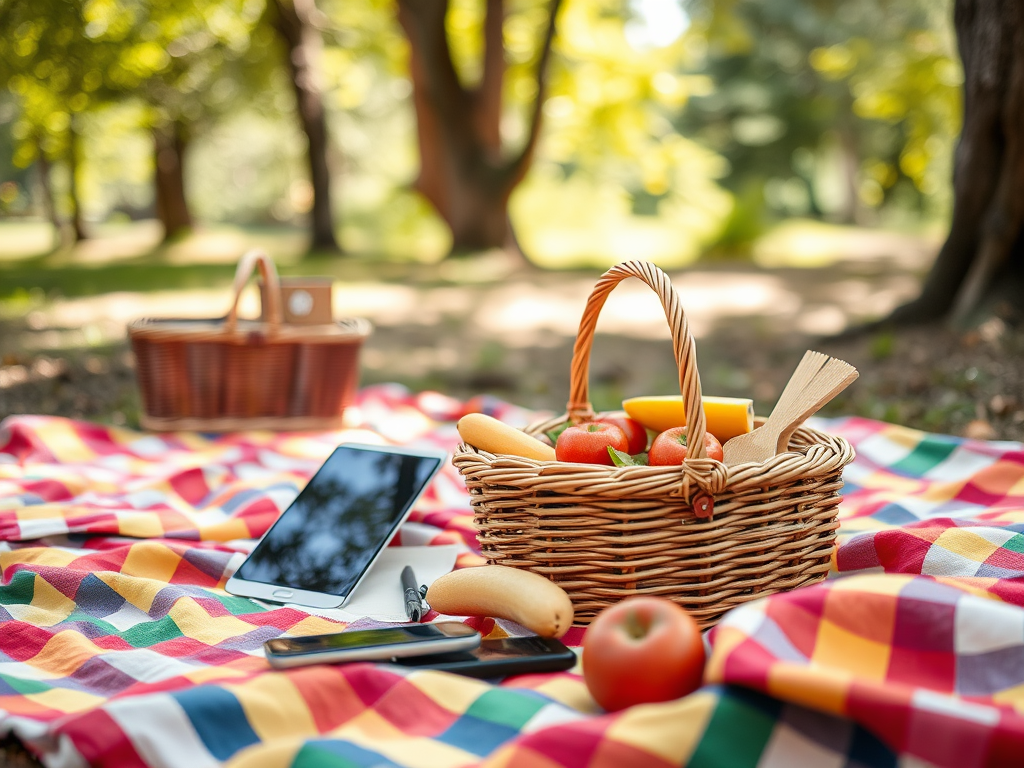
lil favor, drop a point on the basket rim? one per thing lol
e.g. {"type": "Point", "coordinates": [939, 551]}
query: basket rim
{"type": "Point", "coordinates": [214, 329]}
{"type": "Point", "coordinates": [788, 463]}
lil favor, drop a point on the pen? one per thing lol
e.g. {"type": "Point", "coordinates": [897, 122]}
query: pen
{"type": "Point", "coordinates": [413, 599]}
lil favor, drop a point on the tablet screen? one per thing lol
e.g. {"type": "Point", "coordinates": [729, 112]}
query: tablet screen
{"type": "Point", "coordinates": [339, 522]}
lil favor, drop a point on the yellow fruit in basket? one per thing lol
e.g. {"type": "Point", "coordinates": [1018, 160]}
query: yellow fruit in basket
{"type": "Point", "coordinates": [489, 434]}
{"type": "Point", "coordinates": [726, 416]}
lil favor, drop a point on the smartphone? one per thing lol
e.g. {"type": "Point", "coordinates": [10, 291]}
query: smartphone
{"type": "Point", "coordinates": [371, 644]}
{"type": "Point", "coordinates": [323, 544]}
{"type": "Point", "coordinates": [501, 658]}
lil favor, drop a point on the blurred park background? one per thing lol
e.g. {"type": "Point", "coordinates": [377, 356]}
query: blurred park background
{"type": "Point", "coordinates": [466, 169]}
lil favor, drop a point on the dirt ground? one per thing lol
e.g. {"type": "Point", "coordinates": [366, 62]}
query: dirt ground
{"type": "Point", "coordinates": [492, 325]}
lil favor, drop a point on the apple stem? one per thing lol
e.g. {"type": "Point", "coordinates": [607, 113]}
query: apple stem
{"type": "Point", "coordinates": [636, 626]}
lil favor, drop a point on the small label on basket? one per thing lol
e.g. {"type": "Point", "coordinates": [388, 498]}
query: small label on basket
{"type": "Point", "coordinates": [704, 505]}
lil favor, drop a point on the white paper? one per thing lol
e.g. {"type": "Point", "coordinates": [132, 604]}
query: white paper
{"type": "Point", "coordinates": [380, 596]}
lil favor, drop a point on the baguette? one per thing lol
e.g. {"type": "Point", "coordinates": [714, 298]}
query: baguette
{"type": "Point", "coordinates": [489, 434]}
{"type": "Point", "coordinates": [505, 593]}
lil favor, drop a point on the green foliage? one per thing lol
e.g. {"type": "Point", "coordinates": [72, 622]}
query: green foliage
{"type": "Point", "coordinates": [665, 130]}
{"type": "Point", "coordinates": [837, 109]}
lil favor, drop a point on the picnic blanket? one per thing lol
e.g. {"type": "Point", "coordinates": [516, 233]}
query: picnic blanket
{"type": "Point", "coordinates": [119, 647]}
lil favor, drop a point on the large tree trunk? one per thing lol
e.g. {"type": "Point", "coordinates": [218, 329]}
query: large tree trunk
{"type": "Point", "coordinates": [295, 22]}
{"type": "Point", "coordinates": [463, 171]}
{"type": "Point", "coordinates": [171, 205]}
{"type": "Point", "coordinates": [983, 255]}
{"type": "Point", "coordinates": [77, 224]}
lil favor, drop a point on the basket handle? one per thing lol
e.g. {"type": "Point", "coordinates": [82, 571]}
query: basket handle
{"type": "Point", "coordinates": [579, 408]}
{"type": "Point", "coordinates": [251, 260]}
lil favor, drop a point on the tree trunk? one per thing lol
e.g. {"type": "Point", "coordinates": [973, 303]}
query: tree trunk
{"type": "Point", "coordinates": [983, 255]}
{"type": "Point", "coordinates": [171, 206]}
{"type": "Point", "coordinates": [46, 191]}
{"type": "Point", "coordinates": [77, 225]}
{"type": "Point", "coordinates": [463, 171]}
{"type": "Point", "coordinates": [295, 22]}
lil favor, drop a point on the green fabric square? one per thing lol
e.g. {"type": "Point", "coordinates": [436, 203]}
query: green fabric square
{"type": "Point", "coordinates": [929, 453]}
{"type": "Point", "coordinates": [735, 736]}
{"type": "Point", "coordinates": [1016, 544]}
{"type": "Point", "coordinates": [20, 590]}
{"type": "Point", "coordinates": [147, 633]}
{"type": "Point", "coordinates": [25, 687]}
{"type": "Point", "coordinates": [506, 707]}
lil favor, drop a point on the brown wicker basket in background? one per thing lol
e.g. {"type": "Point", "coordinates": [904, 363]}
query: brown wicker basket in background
{"type": "Point", "coordinates": [704, 535]}
{"type": "Point", "coordinates": [226, 374]}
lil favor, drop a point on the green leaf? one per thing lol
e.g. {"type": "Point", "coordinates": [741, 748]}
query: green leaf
{"type": "Point", "coordinates": [623, 459]}
{"type": "Point", "coordinates": [554, 433]}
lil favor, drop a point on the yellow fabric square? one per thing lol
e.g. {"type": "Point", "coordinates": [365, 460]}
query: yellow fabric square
{"type": "Point", "coordinates": [314, 625]}
{"type": "Point", "coordinates": [150, 560]}
{"type": "Point", "coordinates": [374, 728]}
{"type": "Point", "coordinates": [232, 670]}
{"type": "Point", "coordinates": [138, 592]}
{"type": "Point", "coordinates": [280, 754]}
{"type": "Point", "coordinates": [967, 544]}
{"type": "Point", "coordinates": [40, 555]}
{"type": "Point", "coordinates": [570, 691]}
{"type": "Point", "coordinates": [1013, 697]}
{"type": "Point", "coordinates": [141, 525]}
{"type": "Point", "coordinates": [672, 730]}
{"type": "Point", "coordinates": [814, 687]}
{"type": "Point", "coordinates": [895, 486]}
{"type": "Point", "coordinates": [876, 583]}
{"type": "Point", "coordinates": [196, 623]}
{"type": "Point", "coordinates": [903, 436]}
{"type": "Point", "coordinates": [63, 442]}
{"type": "Point", "coordinates": [837, 648]}
{"type": "Point", "coordinates": [452, 692]}
{"type": "Point", "coordinates": [368, 731]}
{"type": "Point", "coordinates": [64, 653]}
{"type": "Point", "coordinates": [274, 707]}
{"type": "Point", "coordinates": [225, 530]}
{"type": "Point", "coordinates": [49, 598]}
{"type": "Point", "coordinates": [46, 512]}
{"type": "Point", "coordinates": [66, 700]}
{"type": "Point", "coordinates": [942, 491]}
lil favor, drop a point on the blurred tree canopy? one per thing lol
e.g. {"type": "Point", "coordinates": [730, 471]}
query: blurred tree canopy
{"type": "Point", "coordinates": [711, 118]}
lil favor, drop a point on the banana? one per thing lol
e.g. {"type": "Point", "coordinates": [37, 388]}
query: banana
{"type": "Point", "coordinates": [489, 434]}
{"type": "Point", "coordinates": [505, 593]}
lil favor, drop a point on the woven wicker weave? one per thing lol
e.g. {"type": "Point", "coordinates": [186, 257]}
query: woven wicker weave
{"type": "Point", "coordinates": [226, 374]}
{"type": "Point", "coordinates": [704, 535]}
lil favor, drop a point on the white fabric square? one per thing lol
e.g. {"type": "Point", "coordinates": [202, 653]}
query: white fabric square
{"type": "Point", "coordinates": [986, 625]}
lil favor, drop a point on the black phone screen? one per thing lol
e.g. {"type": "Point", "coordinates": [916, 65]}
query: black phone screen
{"type": "Point", "coordinates": [358, 638]}
{"type": "Point", "coordinates": [500, 657]}
{"type": "Point", "coordinates": [339, 522]}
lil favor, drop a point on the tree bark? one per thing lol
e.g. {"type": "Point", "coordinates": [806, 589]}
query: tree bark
{"type": "Point", "coordinates": [172, 208]}
{"type": "Point", "coordinates": [984, 252]}
{"type": "Point", "coordinates": [77, 225]}
{"type": "Point", "coordinates": [46, 191]}
{"type": "Point", "coordinates": [464, 172]}
{"type": "Point", "coordinates": [295, 21]}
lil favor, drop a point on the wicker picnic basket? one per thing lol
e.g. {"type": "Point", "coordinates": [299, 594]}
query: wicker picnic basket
{"type": "Point", "coordinates": [226, 373]}
{"type": "Point", "coordinates": [704, 535]}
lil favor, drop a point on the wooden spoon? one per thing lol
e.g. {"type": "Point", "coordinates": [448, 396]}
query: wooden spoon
{"type": "Point", "coordinates": [817, 379]}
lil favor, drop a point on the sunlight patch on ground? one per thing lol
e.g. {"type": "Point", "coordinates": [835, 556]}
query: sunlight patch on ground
{"type": "Point", "coordinates": [809, 244]}
{"type": "Point", "coordinates": [24, 239]}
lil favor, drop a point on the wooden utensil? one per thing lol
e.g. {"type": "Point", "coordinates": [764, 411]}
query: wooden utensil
{"type": "Point", "coordinates": [817, 379]}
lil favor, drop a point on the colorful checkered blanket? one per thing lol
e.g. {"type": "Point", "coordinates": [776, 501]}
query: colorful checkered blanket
{"type": "Point", "coordinates": [119, 647]}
